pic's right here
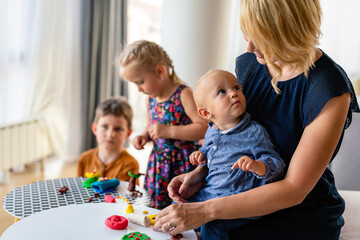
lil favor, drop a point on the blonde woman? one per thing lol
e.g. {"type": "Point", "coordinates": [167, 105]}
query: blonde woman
{"type": "Point", "coordinates": [305, 100]}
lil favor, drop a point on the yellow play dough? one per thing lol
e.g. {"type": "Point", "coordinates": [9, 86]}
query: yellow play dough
{"type": "Point", "coordinates": [130, 209]}
{"type": "Point", "coordinates": [152, 218]}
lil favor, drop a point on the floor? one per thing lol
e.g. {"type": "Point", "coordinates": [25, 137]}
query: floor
{"type": "Point", "coordinates": [53, 168]}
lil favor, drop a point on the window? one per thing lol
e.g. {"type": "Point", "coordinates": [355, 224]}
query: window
{"type": "Point", "coordinates": [12, 57]}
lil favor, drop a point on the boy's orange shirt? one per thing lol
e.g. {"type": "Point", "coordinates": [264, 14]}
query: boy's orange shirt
{"type": "Point", "coordinates": [89, 161]}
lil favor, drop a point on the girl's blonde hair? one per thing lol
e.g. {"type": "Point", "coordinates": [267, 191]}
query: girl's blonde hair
{"type": "Point", "coordinates": [283, 30]}
{"type": "Point", "coordinates": [145, 56]}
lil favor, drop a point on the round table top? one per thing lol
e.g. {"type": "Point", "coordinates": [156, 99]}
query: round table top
{"type": "Point", "coordinates": [84, 221]}
{"type": "Point", "coordinates": [43, 195]}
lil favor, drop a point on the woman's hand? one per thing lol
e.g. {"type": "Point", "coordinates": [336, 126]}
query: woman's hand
{"type": "Point", "coordinates": [184, 186]}
{"type": "Point", "coordinates": [181, 217]}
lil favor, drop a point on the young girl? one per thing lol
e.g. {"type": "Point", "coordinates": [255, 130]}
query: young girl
{"type": "Point", "coordinates": [173, 123]}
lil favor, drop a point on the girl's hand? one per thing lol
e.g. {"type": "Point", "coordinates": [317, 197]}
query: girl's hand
{"type": "Point", "coordinates": [248, 164]}
{"type": "Point", "coordinates": [158, 131]}
{"type": "Point", "coordinates": [198, 158]}
{"type": "Point", "coordinates": [139, 141]}
{"type": "Point", "coordinates": [182, 217]}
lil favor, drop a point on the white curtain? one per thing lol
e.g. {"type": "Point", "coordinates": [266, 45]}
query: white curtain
{"type": "Point", "coordinates": [13, 84]}
{"type": "Point", "coordinates": [40, 61]}
{"type": "Point", "coordinates": [54, 76]}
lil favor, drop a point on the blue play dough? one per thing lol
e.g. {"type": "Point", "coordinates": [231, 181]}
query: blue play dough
{"type": "Point", "coordinates": [105, 186]}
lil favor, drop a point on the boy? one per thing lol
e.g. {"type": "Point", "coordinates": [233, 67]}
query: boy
{"type": "Point", "coordinates": [238, 151]}
{"type": "Point", "coordinates": [111, 126]}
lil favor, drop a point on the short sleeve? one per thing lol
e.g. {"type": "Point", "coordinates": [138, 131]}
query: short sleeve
{"type": "Point", "coordinates": [324, 83]}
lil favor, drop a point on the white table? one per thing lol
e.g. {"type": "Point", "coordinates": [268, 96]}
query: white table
{"type": "Point", "coordinates": [84, 221]}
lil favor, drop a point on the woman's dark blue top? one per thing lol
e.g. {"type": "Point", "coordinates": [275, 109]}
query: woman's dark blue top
{"type": "Point", "coordinates": [286, 115]}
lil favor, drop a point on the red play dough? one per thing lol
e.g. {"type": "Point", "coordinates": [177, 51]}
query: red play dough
{"type": "Point", "coordinates": [109, 199]}
{"type": "Point", "coordinates": [116, 222]}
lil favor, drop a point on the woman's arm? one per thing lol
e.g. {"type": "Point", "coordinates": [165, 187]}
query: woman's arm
{"type": "Point", "coordinates": [191, 132]}
{"type": "Point", "coordinates": [308, 163]}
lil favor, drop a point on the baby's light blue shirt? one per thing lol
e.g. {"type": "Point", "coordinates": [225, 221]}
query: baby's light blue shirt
{"type": "Point", "coordinates": [223, 148]}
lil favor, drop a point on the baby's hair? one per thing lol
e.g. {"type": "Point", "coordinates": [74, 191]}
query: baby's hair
{"type": "Point", "coordinates": [284, 30]}
{"type": "Point", "coordinates": [145, 56]}
{"type": "Point", "coordinates": [117, 106]}
{"type": "Point", "coordinates": [198, 88]}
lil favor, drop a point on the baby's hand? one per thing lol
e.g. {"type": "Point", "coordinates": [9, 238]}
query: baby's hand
{"type": "Point", "coordinates": [139, 141]}
{"type": "Point", "coordinates": [248, 164]}
{"type": "Point", "coordinates": [158, 131]}
{"type": "Point", "coordinates": [198, 158]}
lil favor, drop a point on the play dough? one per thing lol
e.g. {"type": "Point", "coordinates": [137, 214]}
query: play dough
{"type": "Point", "coordinates": [116, 222]}
{"type": "Point", "coordinates": [136, 236]}
{"type": "Point", "coordinates": [63, 190]}
{"type": "Point", "coordinates": [105, 185]}
{"type": "Point", "coordinates": [129, 209]}
{"type": "Point", "coordinates": [91, 178]}
{"type": "Point", "coordinates": [152, 218]}
{"type": "Point", "coordinates": [139, 219]}
{"type": "Point", "coordinates": [109, 199]}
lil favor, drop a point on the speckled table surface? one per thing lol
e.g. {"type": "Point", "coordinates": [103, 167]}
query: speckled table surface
{"type": "Point", "coordinates": [38, 196]}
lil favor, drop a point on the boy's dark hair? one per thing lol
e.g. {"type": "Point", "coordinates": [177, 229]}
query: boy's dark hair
{"type": "Point", "coordinates": [117, 106]}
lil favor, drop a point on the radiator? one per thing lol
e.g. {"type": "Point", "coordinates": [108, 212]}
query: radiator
{"type": "Point", "coordinates": [22, 143]}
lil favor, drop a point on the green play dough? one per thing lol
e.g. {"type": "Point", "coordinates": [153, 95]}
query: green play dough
{"type": "Point", "coordinates": [134, 235]}
{"type": "Point", "coordinates": [89, 181]}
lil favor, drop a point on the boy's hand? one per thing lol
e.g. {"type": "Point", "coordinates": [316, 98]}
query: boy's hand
{"type": "Point", "coordinates": [198, 158]}
{"type": "Point", "coordinates": [139, 141]}
{"type": "Point", "coordinates": [248, 164]}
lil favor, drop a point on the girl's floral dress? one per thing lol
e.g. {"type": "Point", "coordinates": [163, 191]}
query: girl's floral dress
{"type": "Point", "coordinates": [169, 157]}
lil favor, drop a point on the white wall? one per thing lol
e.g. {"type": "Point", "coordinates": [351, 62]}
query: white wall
{"type": "Point", "coordinates": [198, 36]}
{"type": "Point", "coordinates": [203, 34]}
{"type": "Point", "coordinates": [341, 36]}
{"type": "Point", "coordinates": [341, 33]}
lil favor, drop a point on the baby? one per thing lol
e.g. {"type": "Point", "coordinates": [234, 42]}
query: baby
{"type": "Point", "coordinates": [238, 151]}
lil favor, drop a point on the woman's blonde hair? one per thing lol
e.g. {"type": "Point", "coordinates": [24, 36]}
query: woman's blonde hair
{"type": "Point", "coordinates": [283, 30]}
{"type": "Point", "coordinates": [145, 56]}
